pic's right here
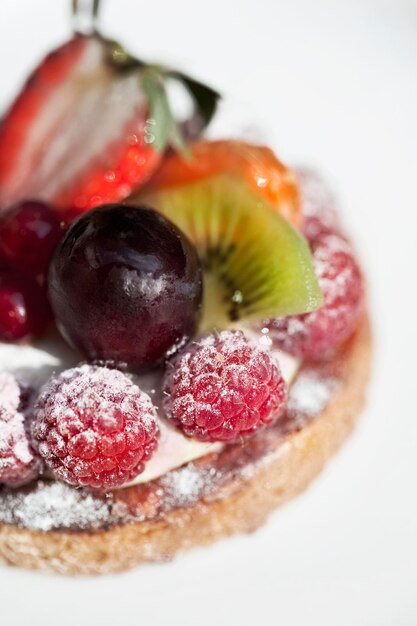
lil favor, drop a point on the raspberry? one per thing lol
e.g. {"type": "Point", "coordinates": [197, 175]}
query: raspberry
{"type": "Point", "coordinates": [315, 335]}
{"type": "Point", "coordinates": [29, 233]}
{"type": "Point", "coordinates": [223, 387]}
{"type": "Point", "coordinates": [94, 427]}
{"type": "Point", "coordinates": [19, 464]}
{"type": "Point", "coordinates": [318, 205]}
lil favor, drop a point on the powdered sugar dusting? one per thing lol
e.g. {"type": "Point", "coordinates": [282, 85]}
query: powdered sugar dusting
{"type": "Point", "coordinates": [53, 505]}
{"type": "Point", "coordinates": [9, 395]}
{"type": "Point", "coordinates": [18, 462]}
{"type": "Point", "coordinates": [34, 363]}
{"type": "Point", "coordinates": [319, 205]}
{"type": "Point", "coordinates": [310, 394]}
{"type": "Point", "coordinates": [185, 486]}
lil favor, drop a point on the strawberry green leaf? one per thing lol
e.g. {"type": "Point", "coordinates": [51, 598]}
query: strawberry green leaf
{"type": "Point", "coordinates": [165, 129]}
{"type": "Point", "coordinates": [205, 98]}
{"type": "Point", "coordinates": [119, 59]}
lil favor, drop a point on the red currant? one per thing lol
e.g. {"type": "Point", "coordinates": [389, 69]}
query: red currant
{"type": "Point", "coordinates": [24, 309]}
{"type": "Point", "coordinates": [29, 233]}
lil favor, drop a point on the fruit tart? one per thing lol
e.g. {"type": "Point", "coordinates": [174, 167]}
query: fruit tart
{"type": "Point", "coordinates": [184, 339]}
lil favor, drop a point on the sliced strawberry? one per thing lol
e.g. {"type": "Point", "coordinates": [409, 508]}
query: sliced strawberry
{"type": "Point", "coordinates": [76, 134]}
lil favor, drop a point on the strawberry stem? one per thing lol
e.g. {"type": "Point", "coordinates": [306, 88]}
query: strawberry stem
{"type": "Point", "coordinates": [85, 16]}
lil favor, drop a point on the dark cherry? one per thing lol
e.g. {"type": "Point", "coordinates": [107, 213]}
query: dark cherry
{"type": "Point", "coordinates": [125, 286]}
{"type": "Point", "coordinates": [29, 233]}
{"type": "Point", "coordinates": [24, 309]}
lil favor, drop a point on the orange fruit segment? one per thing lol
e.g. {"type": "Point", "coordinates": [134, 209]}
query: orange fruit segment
{"type": "Point", "coordinates": [258, 165]}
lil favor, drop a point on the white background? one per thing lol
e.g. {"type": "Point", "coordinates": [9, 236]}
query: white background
{"type": "Point", "coordinates": [334, 84]}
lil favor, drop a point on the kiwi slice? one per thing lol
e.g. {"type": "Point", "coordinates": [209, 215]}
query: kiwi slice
{"type": "Point", "coordinates": [256, 265]}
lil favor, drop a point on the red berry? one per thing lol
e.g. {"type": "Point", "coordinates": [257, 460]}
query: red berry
{"type": "Point", "coordinates": [315, 335]}
{"type": "Point", "coordinates": [94, 427]}
{"type": "Point", "coordinates": [223, 387]}
{"type": "Point", "coordinates": [78, 132]}
{"type": "Point", "coordinates": [24, 309]}
{"type": "Point", "coordinates": [29, 233]}
{"type": "Point", "coordinates": [318, 205]}
{"type": "Point", "coordinates": [19, 464]}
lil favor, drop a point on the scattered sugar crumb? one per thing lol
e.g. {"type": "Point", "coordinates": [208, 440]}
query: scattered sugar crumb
{"type": "Point", "coordinates": [53, 505]}
{"type": "Point", "coordinates": [186, 486]}
{"type": "Point", "coordinates": [310, 394]}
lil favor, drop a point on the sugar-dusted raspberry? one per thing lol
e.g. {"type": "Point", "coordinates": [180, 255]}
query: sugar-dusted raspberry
{"type": "Point", "coordinates": [318, 205]}
{"type": "Point", "coordinates": [94, 427]}
{"type": "Point", "coordinates": [223, 387]}
{"type": "Point", "coordinates": [315, 335]}
{"type": "Point", "coordinates": [19, 464]}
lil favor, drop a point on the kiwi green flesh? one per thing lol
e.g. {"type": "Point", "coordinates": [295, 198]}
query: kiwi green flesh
{"type": "Point", "coordinates": [256, 264]}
